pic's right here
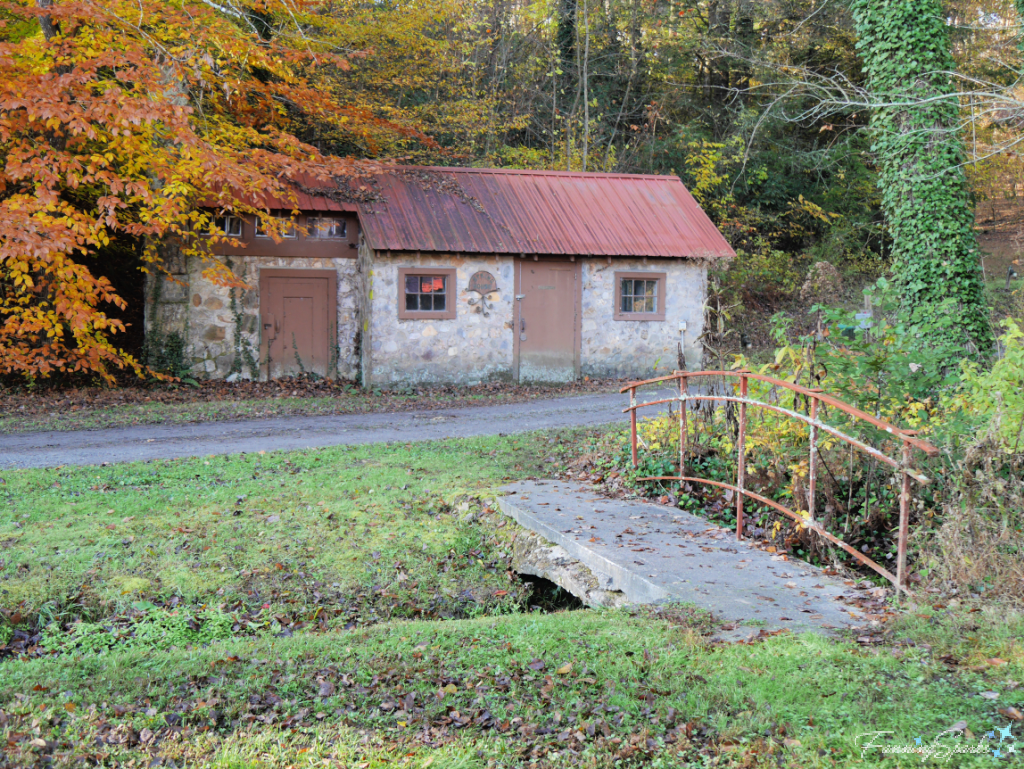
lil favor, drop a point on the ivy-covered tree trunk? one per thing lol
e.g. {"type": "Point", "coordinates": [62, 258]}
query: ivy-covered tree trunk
{"type": "Point", "coordinates": [904, 47]}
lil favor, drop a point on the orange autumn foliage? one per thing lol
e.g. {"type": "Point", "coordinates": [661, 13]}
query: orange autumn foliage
{"type": "Point", "coordinates": [140, 122]}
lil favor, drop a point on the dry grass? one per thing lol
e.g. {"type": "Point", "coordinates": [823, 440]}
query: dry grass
{"type": "Point", "coordinates": [979, 548]}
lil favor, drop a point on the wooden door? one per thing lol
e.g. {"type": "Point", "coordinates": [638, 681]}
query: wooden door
{"type": "Point", "coordinates": [547, 326]}
{"type": "Point", "coordinates": [299, 321]}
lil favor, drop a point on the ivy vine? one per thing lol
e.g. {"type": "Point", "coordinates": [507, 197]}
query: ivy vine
{"type": "Point", "coordinates": [905, 51]}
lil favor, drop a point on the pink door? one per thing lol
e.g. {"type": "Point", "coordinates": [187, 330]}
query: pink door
{"type": "Point", "coordinates": [547, 325]}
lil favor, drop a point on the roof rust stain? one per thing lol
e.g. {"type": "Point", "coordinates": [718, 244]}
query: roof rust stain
{"type": "Point", "coordinates": [507, 211]}
{"type": "Point", "coordinates": [498, 211]}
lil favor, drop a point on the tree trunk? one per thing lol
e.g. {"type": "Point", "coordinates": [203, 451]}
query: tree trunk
{"type": "Point", "coordinates": [904, 47]}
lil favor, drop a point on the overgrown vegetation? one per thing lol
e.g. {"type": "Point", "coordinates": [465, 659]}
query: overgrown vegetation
{"type": "Point", "coordinates": [904, 45]}
{"type": "Point", "coordinates": [968, 523]}
{"type": "Point", "coordinates": [762, 108]}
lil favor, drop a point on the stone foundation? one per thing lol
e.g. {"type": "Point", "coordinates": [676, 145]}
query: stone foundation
{"type": "Point", "coordinates": [534, 555]}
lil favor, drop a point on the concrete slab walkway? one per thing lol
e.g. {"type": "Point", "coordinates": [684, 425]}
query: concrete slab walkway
{"type": "Point", "coordinates": [656, 553]}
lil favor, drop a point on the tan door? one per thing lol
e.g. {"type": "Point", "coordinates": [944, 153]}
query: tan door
{"type": "Point", "coordinates": [547, 330]}
{"type": "Point", "coordinates": [297, 308]}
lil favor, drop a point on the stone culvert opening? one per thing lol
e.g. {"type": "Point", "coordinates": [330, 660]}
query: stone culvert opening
{"type": "Point", "coordinates": [540, 562]}
{"type": "Point", "coordinates": [548, 597]}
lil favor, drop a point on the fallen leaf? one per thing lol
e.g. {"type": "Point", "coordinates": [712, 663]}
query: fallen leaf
{"type": "Point", "coordinates": [564, 669]}
{"type": "Point", "coordinates": [791, 743]}
{"type": "Point", "coordinates": [326, 688]}
{"type": "Point", "coordinates": [1012, 713]}
{"type": "Point", "coordinates": [990, 695]}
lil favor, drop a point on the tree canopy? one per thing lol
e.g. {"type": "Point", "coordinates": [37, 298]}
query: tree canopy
{"type": "Point", "coordinates": [125, 124]}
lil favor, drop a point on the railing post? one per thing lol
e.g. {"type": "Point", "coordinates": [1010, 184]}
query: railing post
{"type": "Point", "coordinates": [813, 462]}
{"type": "Point", "coordinates": [901, 551]}
{"type": "Point", "coordinates": [632, 424]}
{"type": "Point", "coordinates": [683, 390]}
{"type": "Point", "coordinates": [741, 461]}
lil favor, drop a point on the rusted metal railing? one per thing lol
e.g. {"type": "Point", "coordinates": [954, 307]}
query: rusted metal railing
{"type": "Point", "coordinates": [815, 397]}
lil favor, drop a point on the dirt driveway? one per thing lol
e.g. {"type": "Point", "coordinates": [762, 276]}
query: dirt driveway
{"type": "Point", "coordinates": [129, 444]}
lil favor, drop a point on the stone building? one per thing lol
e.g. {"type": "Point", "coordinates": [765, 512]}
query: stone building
{"type": "Point", "coordinates": [454, 275]}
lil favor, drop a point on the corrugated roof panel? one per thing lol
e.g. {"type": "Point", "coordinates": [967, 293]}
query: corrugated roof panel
{"type": "Point", "coordinates": [538, 212]}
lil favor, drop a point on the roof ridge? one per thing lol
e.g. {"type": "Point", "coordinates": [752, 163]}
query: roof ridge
{"type": "Point", "coordinates": [538, 172]}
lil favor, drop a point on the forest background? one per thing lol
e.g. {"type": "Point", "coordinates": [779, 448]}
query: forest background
{"type": "Point", "coordinates": [120, 124]}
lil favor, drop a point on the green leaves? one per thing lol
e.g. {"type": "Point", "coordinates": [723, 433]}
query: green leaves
{"type": "Point", "coordinates": [904, 46]}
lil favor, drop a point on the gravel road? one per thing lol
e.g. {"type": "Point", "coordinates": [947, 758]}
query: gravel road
{"type": "Point", "coordinates": [130, 444]}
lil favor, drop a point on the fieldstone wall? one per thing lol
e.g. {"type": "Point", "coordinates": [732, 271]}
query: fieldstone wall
{"type": "Point", "coordinates": [387, 351]}
{"type": "Point", "coordinates": [472, 348]}
{"type": "Point", "coordinates": [641, 349]}
{"type": "Point", "coordinates": [166, 310]}
{"type": "Point", "coordinates": [202, 313]}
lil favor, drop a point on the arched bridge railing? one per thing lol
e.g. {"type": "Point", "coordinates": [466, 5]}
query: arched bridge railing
{"type": "Point", "coordinates": [815, 398]}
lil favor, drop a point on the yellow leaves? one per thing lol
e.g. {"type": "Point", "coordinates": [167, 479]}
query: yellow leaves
{"type": "Point", "coordinates": [123, 132]}
{"type": "Point", "coordinates": [806, 516]}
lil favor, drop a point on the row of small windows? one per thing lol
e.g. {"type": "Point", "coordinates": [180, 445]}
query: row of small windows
{"type": "Point", "coordinates": [320, 227]}
{"type": "Point", "coordinates": [426, 295]}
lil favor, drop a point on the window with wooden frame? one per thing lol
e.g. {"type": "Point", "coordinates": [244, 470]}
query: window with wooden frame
{"type": "Point", "coordinates": [426, 293]}
{"type": "Point", "coordinates": [230, 226]}
{"type": "Point", "coordinates": [285, 227]}
{"type": "Point", "coordinates": [327, 227]}
{"type": "Point", "coordinates": [639, 296]}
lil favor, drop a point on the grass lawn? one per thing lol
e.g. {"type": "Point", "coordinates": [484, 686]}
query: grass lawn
{"type": "Point", "coordinates": [359, 533]}
{"type": "Point", "coordinates": [352, 607]}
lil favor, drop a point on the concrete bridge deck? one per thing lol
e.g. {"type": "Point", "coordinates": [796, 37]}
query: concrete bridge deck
{"type": "Point", "coordinates": [653, 553]}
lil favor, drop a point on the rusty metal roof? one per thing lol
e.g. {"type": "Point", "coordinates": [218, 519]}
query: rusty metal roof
{"type": "Point", "coordinates": [303, 200]}
{"type": "Point", "coordinates": [469, 210]}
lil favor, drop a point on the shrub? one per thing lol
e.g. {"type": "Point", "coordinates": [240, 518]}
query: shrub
{"type": "Point", "coordinates": [994, 397]}
{"type": "Point", "coordinates": [979, 545]}
{"type": "Point", "coordinates": [762, 275]}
